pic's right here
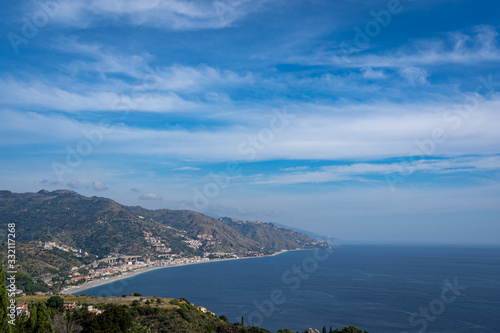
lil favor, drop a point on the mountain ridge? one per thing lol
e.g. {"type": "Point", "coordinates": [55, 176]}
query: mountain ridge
{"type": "Point", "coordinates": [95, 227]}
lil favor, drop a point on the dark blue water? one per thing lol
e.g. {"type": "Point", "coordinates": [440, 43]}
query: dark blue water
{"type": "Point", "coordinates": [379, 288]}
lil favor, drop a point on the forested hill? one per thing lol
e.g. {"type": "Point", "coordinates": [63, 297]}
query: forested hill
{"type": "Point", "coordinates": [101, 226]}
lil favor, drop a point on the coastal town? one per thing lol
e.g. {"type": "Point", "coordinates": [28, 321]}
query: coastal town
{"type": "Point", "coordinates": [117, 266]}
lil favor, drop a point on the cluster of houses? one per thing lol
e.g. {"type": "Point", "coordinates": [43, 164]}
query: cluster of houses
{"type": "Point", "coordinates": [53, 245]}
{"type": "Point", "coordinates": [209, 241]}
{"type": "Point", "coordinates": [124, 264]}
{"type": "Point", "coordinates": [23, 309]}
{"type": "Point", "coordinates": [156, 242]}
{"type": "Point", "coordinates": [193, 243]}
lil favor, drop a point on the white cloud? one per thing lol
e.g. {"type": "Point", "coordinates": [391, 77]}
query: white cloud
{"type": "Point", "coordinates": [73, 184]}
{"type": "Point", "coordinates": [172, 14]}
{"type": "Point", "coordinates": [98, 186]}
{"type": "Point", "coordinates": [187, 168]}
{"type": "Point", "coordinates": [49, 97]}
{"type": "Point", "coordinates": [368, 131]}
{"type": "Point", "coordinates": [415, 76]}
{"type": "Point", "coordinates": [335, 173]}
{"type": "Point", "coordinates": [371, 74]}
{"type": "Point", "coordinates": [299, 168]}
{"type": "Point", "coordinates": [137, 88]}
{"type": "Point", "coordinates": [150, 196]}
{"type": "Point", "coordinates": [456, 48]}
{"type": "Point", "coordinates": [188, 79]}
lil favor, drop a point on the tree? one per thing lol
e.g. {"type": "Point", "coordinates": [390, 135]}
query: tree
{"type": "Point", "coordinates": [33, 318]}
{"type": "Point", "coordinates": [66, 325]}
{"type": "Point", "coordinates": [43, 323]}
{"type": "Point", "coordinates": [4, 304]}
{"type": "Point", "coordinates": [116, 319]}
{"type": "Point", "coordinates": [324, 329]}
{"type": "Point", "coordinates": [55, 302]}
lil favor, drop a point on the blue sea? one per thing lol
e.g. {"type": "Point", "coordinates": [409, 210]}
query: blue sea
{"type": "Point", "coordinates": [378, 288]}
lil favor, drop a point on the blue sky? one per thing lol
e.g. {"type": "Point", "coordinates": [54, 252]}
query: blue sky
{"type": "Point", "coordinates": [364, 120]}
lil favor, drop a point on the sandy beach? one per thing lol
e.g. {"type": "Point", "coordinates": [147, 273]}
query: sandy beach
{"type": "Point", "coordinates": [111, 279]}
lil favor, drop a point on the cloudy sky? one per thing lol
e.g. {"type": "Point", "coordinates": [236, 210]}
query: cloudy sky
{"type": "Point", "coordinates": [364, 120]}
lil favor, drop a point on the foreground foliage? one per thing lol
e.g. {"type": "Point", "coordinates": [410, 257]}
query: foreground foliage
{"type": "Point", "coordinates": [133, 314]}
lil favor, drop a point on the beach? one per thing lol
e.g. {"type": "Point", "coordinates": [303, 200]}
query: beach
{"type": "Point", "coordinates": [129, 274]}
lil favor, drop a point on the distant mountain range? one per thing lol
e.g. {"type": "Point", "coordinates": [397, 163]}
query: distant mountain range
{"type": "Point", "coordinates": [322, 238]}
{"type": "Point", "coordinates": [94, 227]}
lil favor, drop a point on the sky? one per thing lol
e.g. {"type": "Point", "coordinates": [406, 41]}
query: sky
{"type": "Point", "coordinates": [368, 121]}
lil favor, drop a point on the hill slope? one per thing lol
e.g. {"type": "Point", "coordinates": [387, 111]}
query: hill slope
{"type": "Point", "coordinates": [95, 226]}
{"type": "Point", "coordinates": [271, 236]}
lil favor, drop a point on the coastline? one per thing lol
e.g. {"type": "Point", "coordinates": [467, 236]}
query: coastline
{"type": "Point", "coordinates": [100, 282]}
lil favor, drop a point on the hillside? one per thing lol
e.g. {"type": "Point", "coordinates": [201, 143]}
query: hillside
{"type": "Point", "coordinates": [60, 229]}
{"type": "Point", "coordinates": [271, 236]}
{"type": "Point", "coordinates": [142, 314]}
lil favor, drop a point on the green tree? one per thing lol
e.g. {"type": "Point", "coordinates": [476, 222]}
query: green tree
{"type": "Point", "coordinates": [115, 320]}
{"type": "Point", "coordinates": [324, 329]}
{"type": "Point", "coordinates": [31, 326]}
{"type": "Point", "coordinates": [43, 321]}
{"type": "Point", "coordinates": [4, 304]}
{"type": "Point", "coordinates": [55, 302]}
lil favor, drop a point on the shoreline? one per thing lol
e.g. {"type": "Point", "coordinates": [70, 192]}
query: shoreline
{"type": "Point", "coordinates": [100, 282]}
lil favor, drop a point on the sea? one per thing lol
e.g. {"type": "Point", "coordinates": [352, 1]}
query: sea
{"type": "Point", "coordinates": [377, 288]}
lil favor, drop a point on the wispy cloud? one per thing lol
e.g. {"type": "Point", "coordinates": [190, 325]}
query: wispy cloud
{"type": "Point", "coordinates": [317, 132]}
{"type": "Point", "coordinates": [187, 168]}
{"type": "Point", "coordinates": [173, 14]}
{"type": "Point", "coordinates": [371, 74]}
{"type": "Point", "coordinates": [456, 47]}
{"type": "Point", "coordinates": [73, 184]}
{"type": "Point", "coordinates": [150, 196]}
{"type": "Point", "coordinates": [414, 76]}
{"type": "Point", "coordinates": [336, 173]}
{"type": "Point", "coordinates": [98, 186]}
{"type": "Point", "coordinates": [49, 97]}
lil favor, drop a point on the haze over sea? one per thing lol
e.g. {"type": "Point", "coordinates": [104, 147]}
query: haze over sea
{"type": "Point", "coordinates": [374, 287]}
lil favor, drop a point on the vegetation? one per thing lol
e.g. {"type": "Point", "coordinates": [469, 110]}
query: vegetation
{"type": "Point", "coordinates": [4, 304]}
{"type": "Point", "coordinates": [98, 227]}
{"type": "Point", "coordinates": [273, 238]}
{"type": "Point", "coordinates": [55, 302]}
{"type": "Point", "coordinates": [39, 321]}
{"type": "Point", "coordinates": [26, 283]}
{"type": "Point", "coordinates": [128, 315]}
{"type": "Point", "coordinates": [350, 329]}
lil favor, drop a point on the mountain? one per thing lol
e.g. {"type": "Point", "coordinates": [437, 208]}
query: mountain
{"type": "Point", "coordinates": [272, 236]}
{"type": "Point", "coordinates": [64, 222]}
{"type": "Point", "coordinates": [313, 235]}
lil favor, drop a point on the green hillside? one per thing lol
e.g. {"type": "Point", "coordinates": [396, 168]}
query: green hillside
{"type": "Point", "coordinates": [61, 229]}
